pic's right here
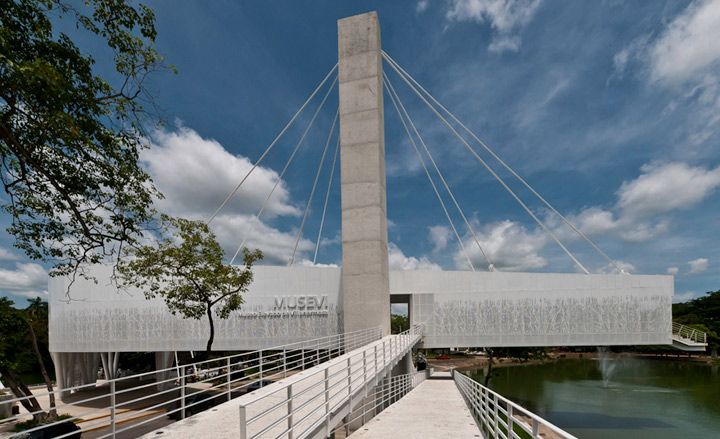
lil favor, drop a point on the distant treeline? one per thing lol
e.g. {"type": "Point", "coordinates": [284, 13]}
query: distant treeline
{"type": "Point", "coordinates": [703, 314]}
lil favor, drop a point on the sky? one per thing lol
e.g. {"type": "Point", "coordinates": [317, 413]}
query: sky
{"type": "Point", "coordinates": [609, 109]}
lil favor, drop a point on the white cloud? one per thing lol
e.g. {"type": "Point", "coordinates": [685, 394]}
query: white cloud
{"type": "Point", "coordinates": [196, 174]}
{"type": "Point", "coordinates": [665, 187]}
{"type": "Point", "coordinates": [439, 237]}
{"type": "Point", "coordinates": [506, 17]}
{"type": "Point", "coordinates": [27, 279]}
{"type": "Point", "coordinates": [698, 265]}
{"type": "Point", "coordinates": [398, 261]}
{"type": "Point", "coordinates": [422, 6]}
{"type": "Point", "coordinates": [684, 297]}
{"type": "Point", "coordinates": [689, 45]}
{"type": "Point", "coordinates": [7, 255]}
{"type": "Point", "coordinates": [625, 267]}
{"type": "Point", "coordinates": [509, 246]}
{"type": "Point", "coordinates": [673, 271]}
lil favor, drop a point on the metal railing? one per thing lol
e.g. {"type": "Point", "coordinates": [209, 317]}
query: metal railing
{"type": "Point", "coordinates": [688, 333]}
{"type": "Point", "coordinates": [131, 401]}
{"type": "Point", "coordinates": [498, 417]}
{"type": "Point", "coordinates": [387, 392]}
{"type": "Point", "coordinates": [307, 403]}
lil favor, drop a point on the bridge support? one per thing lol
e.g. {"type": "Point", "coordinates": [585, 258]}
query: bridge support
{"type": "Point", "coordinates": [365, 284]}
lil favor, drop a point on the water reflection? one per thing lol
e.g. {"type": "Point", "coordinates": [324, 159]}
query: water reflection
{"type": "Point", "coordinates": [644, 398]}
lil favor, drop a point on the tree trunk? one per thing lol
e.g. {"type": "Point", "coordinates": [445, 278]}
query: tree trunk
{"type": "Point", "coordinates": [20, 390]}
{"type": "Point", "coordinates": [490, 363]}
{"type": "Point", "coordinates": [52, 413]}
{"type": "Point", "coordinates": [212, 332]}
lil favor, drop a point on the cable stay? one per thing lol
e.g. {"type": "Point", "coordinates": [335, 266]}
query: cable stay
{"type": "Point", "coordinates": [272, 144]}
{"type": "Point", "coordinates": [314, 186]}
{"type": "Point", "coordinates": [327, 197]}
{"type": "Point", "coordinates": [490, 266]}
{"type": "Point", "coordinates": [488, 167]}
{"type": "Point", "coordinates": [287, 165]}
{"type": "Point", "coordinates": [432, 183]}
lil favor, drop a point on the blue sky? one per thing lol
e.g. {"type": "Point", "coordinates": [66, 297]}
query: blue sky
{"type": "Point", "coordinates": [610, 109]}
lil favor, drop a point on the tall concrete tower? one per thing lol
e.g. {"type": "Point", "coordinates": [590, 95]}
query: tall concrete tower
{"type": "Point", "coordinates": [365, 285]}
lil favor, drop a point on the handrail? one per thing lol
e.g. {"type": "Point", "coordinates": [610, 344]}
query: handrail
{"type": "Point", "coordinates": [220, 373]}
{"type": "Point", "coordinates": [297, 406]}
{"type": "Point", "coordinates": [497, 416]}
{"type": "Point", "coordinates": [689, 333]}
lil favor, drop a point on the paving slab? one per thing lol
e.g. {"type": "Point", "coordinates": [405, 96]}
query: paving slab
{"type": "Point", "coordinates": [434, 409]}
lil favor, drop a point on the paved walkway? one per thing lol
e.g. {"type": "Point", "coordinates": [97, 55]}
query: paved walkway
{"type": "Point", "coordinates": [434, 409]}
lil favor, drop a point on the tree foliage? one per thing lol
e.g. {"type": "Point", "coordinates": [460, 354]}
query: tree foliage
{"type": "Point", "coordinates": [702, 313]}
{"type": "Point", "coordinates": [69, 139]}
{"type": "Point", "coordinates": [23, 349]}
{"type": "Point", "coordinates": [186, 269]}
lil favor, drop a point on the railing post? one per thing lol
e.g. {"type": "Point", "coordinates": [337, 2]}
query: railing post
{"type": "Point", "coordinates": [496, 416]}
{"type": "Point", "coordinates": [302, 358]}
{"type": "Point", "coordinates": [365, 372]}
{"type": "Point", "coordinates": [284, 362]}
{"type": "Point", "coordinates": [511, 420]}
{"type": "Point", "coordinates": [535, 428]}
{"type": "Point", "coordinates": [182, 393]}
{"type": "Point", "coordinates": [243, 423]}
{"type": "Point", "coordinates": [375, 371]}
{"type": "Point", "coordinates": [229, 392]}
{"type": "Point", "coordinates": [327, 401]}
{"type": "Point", "coordinates": [349, 369]}
{"type": "Point", "coordinates": [260, 362]}
{"type": "Point", "coordinates": [290, 411]}
{"type": "Point", "coordinates": [112, 406]}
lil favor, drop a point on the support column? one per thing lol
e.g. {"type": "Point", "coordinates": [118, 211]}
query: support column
{"type": "Point", "coordinates": [365, 285]}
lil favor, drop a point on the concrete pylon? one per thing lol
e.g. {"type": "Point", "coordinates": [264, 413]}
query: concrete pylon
{"type": "Point", "coordinates": [365, 284]}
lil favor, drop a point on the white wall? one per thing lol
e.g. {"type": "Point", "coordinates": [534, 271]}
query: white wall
{"type": "Point", "coordinates": [99, 318]}
{"type": "Point", "coordinates": [457, 308]}
{"type": "Point", "coordinates": [537, 309]}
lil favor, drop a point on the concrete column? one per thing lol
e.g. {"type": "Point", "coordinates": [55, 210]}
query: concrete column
{"type": "Point", "coordinates": [365, 285]}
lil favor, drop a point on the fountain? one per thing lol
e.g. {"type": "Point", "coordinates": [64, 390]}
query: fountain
{"type": "Point", "coordinates": [606, 364]}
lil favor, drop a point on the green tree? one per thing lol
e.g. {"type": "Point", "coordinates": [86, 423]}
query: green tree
{"type": "Point", "coordinates": [186, 269]}
{"type": "Point", "coordinates": [69, 139]}
{"type": "Point", "coordinates": [702, 313]}
{"type": "Point", "coordinates": [399, 323]}
{"type": "Point", "coordinates": [20, 351]}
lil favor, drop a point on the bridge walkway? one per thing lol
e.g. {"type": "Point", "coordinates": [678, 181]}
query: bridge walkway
{"type": "Point", "coordinates": [434, 409]}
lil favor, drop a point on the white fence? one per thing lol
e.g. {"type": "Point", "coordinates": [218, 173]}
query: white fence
{"type": "Point", "coordinates": [498, 417]}
{"type": "Point", "coordinates": [691, 334]}
{"type": "Point", "coordinates": [313, 404]}
{"type": "Point", "coordinates": [122, 404]}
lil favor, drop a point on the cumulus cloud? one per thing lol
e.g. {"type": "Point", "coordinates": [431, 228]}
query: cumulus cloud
{"type": "Point", "coordinates": [625, 267]}
{"type": "Point", "coordinates": [422, 6]}
{"type": "Point", "coordinates": [673, 271]}
{"type": "Point", "coordinates": [635, 217]}
{"type": "Point", "coordinates": [689, 45]}
{"type": "Point", "coordinates": [439, 237]}
{"type": "Point", "coordinates": [665, 187]}
{"type": "Point", "coordinates": [698, 265]}
{"type": "Point", "coordinates": [506, 17]}
{"type": "Point", "coordinates": [509, 245]}
{"type": "Point", "coordinates": [399, 261]}
{"type": "Point", "coordinates": [27, 280]}
{"type": "Point", "coordinates": [195, 174]}
{"type": "Point", "coordinates": [684, 297]}
{"type": "Point", "coordinates": [7, 255]}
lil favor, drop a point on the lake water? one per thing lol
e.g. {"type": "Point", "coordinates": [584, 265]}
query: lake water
{"type": "Point", "coordinates": [642, 398]}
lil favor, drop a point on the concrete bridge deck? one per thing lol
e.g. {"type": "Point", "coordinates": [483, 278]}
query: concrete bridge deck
{"type": "Point", "coordinates": [434, 409]}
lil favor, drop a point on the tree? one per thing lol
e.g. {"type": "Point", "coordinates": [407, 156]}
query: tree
{"type": "Point", "coordinates": [16, 327]}
{"type": "Point", "coordinates": [186, 269]}
{"type": "Point", "coordinates": [702, 313]}
{"type": "Point", "coordinates": [69, 139]}
{"type": "Point", "coordinates": [399, 323]}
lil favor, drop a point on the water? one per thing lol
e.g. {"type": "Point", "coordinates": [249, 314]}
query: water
{"type": "Point", "coordinates": [618, 397]}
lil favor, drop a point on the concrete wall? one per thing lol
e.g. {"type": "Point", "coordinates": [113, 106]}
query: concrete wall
{"type": "Point", "coordinates": [362, 173]}
{"type": "Point", "coordinates": [102, 319]}
{"type": "Point", "coordinates": [457, 308]}
{"type": "Point", "coordinates": [461, 308]}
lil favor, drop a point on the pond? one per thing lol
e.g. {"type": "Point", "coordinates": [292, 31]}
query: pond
{"type": "Point", "coordinates": [620, 397]}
